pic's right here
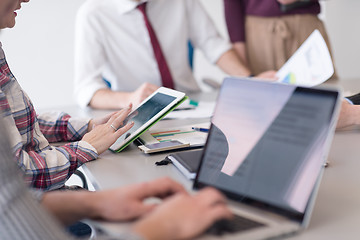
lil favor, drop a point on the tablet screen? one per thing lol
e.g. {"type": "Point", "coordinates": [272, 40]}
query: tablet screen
{"type": "Point", "coordinates": [146, 112]}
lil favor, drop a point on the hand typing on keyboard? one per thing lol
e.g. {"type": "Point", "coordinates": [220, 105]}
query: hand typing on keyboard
{"type": "Point", "coordinates": [184, 216]}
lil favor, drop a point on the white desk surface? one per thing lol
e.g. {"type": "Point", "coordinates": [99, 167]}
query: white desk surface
{"type": "Point", "coordinates": [336, 213]}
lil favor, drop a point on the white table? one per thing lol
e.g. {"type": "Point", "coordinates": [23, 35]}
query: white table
{"type": "Point", "coordinates": [336, 213]}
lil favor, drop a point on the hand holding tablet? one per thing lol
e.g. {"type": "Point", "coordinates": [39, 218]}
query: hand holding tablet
{"type": "Point", "coordinates": [151, 110]}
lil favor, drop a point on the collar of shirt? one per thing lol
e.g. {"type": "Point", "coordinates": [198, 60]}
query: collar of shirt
{"type": "Point", "coordinates": [5, 74]}
{"type": "Point", "coordinates": [2, 54]}
{"type": "Point", "coordinates": [129, 5]}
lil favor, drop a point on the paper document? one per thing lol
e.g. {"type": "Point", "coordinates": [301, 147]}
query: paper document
{"type": "Point", "coordinates": [310, 65]}
{"type": "Point", "coordinates": [184, 134]}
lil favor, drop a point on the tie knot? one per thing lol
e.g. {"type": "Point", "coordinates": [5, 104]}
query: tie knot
{"type": "Point", "coordinates": [142, 7]}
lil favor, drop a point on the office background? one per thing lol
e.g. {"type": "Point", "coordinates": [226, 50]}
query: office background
{"type": "Point", "coordinates": [40, 48]}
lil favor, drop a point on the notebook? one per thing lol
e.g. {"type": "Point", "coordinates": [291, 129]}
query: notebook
{"type": "Point", "coordinates": [265, 151]}
{"type": "Point", "coordinates": [187, 162]}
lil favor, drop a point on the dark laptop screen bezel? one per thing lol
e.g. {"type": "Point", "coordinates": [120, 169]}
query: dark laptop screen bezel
{"type": "Point", "coordinates": [288, 213]}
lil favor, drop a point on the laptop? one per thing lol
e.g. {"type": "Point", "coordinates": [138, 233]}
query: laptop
{"type": "Point", "coordinates": [266, 151]}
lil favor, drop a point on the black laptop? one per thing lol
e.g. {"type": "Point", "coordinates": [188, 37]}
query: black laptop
{"type": "Point", "coordinates": [266, 150]}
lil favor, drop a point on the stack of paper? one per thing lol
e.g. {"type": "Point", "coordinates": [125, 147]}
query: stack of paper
{"type": "Point", "coordinates": [184, 134]}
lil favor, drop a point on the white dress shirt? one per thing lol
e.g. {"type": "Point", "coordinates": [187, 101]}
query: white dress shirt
{"type": "Point", "coordinates": [112, 42]}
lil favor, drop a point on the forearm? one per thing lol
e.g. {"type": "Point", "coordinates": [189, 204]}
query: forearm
{"type": "Point", "coordinates": [50, 168]}
{"type": "Point", "coordinates": [240, 49]}
{"type": "Point", "coordinates": [231, 64]}
{"type": "Point", "coordinates": [60, 127]}
{"type": "Point", "coordinates": [108, 99]}
{"type": "Point", "coordinates": [69, 206]}
{"type": "Point", "coordinates": [349, 115]}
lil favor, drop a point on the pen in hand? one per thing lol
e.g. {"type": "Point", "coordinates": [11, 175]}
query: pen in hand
{"type": "Point", "coordinates": [200, 129]}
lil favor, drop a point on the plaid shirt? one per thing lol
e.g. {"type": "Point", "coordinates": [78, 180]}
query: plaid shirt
{"type": "Point", "coordinates": [45, 166]}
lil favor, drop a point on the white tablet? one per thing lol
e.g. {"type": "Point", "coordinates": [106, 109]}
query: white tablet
{"type": "Point", "coordinates": [151, 110]}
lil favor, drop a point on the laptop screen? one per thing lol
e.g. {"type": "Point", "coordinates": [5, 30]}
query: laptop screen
{"type": "Point", "coordinates": [267, 143]}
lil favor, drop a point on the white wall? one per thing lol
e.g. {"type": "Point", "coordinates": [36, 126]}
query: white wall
{"type": "Point", "coordinates": [342, 22]}
{"type": "Point", "coordinates": [40, 48]}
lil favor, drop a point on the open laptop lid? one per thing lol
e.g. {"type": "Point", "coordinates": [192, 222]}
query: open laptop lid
{"type": "Point", "coordinates": [268, 143]}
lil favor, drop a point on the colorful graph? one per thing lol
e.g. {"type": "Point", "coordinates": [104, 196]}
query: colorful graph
{"type": "Point", "coordinates": [290, 78]}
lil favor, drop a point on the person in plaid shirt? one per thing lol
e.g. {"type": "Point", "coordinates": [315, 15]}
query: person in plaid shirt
{"type": "Point", "coordinates": [47, 167]}
{"type": "Point", "coordinates": [25, 218]}
{"type": "Point", "coordinates": [21, 215]}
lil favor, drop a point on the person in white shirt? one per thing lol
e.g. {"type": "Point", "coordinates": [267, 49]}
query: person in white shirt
{"type": "Point", "coordinates": [113, 43]}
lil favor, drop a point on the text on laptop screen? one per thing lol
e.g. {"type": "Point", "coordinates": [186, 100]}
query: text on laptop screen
{"type": "Point", "coordinates": [267, 142]}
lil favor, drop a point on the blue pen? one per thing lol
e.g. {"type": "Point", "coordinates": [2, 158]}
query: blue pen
{"type": "Point", "coordinates": [200, 129]}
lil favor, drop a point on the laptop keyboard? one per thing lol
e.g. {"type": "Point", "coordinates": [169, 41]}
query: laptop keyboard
{"type": "Point", "coordinates": [237, 224]}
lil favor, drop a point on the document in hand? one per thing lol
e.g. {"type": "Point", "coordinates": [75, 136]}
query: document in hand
{"type": "Point", "coordinates": [310, 65]}
{"type": "Point", "coordinates": [150, 111]}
